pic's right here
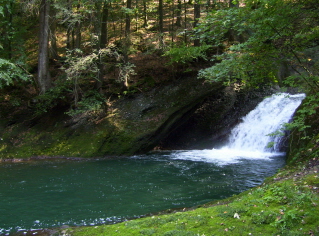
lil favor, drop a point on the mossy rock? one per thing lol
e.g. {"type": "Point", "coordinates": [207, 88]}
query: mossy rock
{"type": "Point", "coordinates": [131, 124]}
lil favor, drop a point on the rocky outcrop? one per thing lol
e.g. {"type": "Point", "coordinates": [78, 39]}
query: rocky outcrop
{"type": "Point", "coordinates": [304, 140]}
{"type": "Point", "coordinates": [186, 113]}
{"type": "Point", "coordinates": [212, 121]}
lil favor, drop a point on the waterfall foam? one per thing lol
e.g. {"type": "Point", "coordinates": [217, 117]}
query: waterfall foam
{"type": "Point", "coordinates": [266, 118]}
{"type": "Point", "coordinates": [249, 139]}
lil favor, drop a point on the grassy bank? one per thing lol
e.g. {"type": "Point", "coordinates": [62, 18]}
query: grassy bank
{"type": "Point", "coordinates": [286, 204]}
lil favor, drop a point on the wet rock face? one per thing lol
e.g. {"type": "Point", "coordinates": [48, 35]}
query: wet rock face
{"type": "Point", "coordinates": [159, 112]}
{"type": "Point", "coordinates": [304, 144]}
{"type": "Point", "coordinates": [186, 113]}
{"type": "Point", "coordinates": [211, 122]}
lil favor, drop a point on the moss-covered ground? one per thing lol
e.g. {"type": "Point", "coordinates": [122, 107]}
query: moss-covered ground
{"type": "Point", "coordinates": [286, 204]}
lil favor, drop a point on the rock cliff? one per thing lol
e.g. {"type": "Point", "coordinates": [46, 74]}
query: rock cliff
{"type": "Point", "coordinates": [186, 113]}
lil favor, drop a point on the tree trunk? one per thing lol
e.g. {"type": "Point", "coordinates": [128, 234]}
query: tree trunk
{"type": "Point", "coordinates": [160, 23]}
{"type": "Point", "coordinates": [136, 16]}
{"type": "Point", "coordinates": [196, 19]}
{"type": "Point", "coordinates": [208, 5]}
{"type": "Point", "coordinates": [185, 22]}
{"type": "Point", "coordinates": [127, 31]}
{"type": "Point", "coordinates": [160, 16]}
{"type": "Point", "coordinates": [69, 30]}
{"type": "Point", "coordinates": [77, 33]}
{"type": "Point", "coordinates": [171, 28]}
{"type": "Point", "coordinates": [102, 44]}
{"type": "Point", "coordinates": [53, 25]}
{"type": "Point", "coordinates": [97, 23]}
{"type": "Point", "coordinates": [104, 28]}
{"type": "Point", "coordinates": [8, 28]}
{"type": "Point", "coordinates": [145, 14]}
{"type": "Point", "coordinates": [179, 14]}
{"type": "Point", "coordinates": [128, 19]}
{"type": "Point", "coordinates": [44, 79]}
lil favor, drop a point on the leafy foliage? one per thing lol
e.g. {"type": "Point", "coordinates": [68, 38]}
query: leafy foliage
{"type": "Point", "coordinates": [92, 102]}
{"type": "Point", "coordinates": [260, 39]}
{"type": "Point", "coordinates": [10, 72]}
{"type": "Point", "coordinates": [11, 31]}
{"type": "Point", "coordinates": [186, 54]}
{"type": "Point", "coordinates": [80, 64]}
{"type": "Point", "coordinates": [50, 99]}
{"type": "Point", "coordinates": [86, 67]}
{"type": "Point", "coordinates": [268, 42]}
{"type": "Point", "coordinates": [126, 70]}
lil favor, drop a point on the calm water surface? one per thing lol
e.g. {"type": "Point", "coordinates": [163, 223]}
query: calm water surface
{"type": "Point", "coordinates": [46, 194]}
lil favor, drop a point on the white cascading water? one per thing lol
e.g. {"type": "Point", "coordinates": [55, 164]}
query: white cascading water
{"type": "Point", "coordinates": [251, 137]}
{"type": "Point", "coordinates": [269, 116]}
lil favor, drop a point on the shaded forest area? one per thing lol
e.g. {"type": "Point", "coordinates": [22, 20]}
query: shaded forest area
{"type": "Point", "coordinates": [81, 53]}
{"type": "Point", "coordinates": [78, 56]}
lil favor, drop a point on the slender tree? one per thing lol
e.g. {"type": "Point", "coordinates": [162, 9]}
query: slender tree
{"type": "Point", "coordinates": [171, 27]}
{"type": "Point", "coordinates": [53, 38]}
{"type": "Point", "coordinates": [104, 24]}
{"type": "Point", "coordinates": [127, 30]}
{"type": "Point", "coordinates": [8, 29]}
{"type": "Point", "coordinates": [208, 5]}
{"type": "Point", "coordinates": [179, 14]}
{"type": "Point", "coordinates": [160, 16]}
{"type": "Point", "coordinates": [77, 30]}
{"type": "Point", "coordinates": [69, 29]}
{"type": "Point", "coordinates": [160, 23]}
{"type": "Point", "coordinates": [185, 22]}
{"type": "Point", "coordinates": [196, 19]}
{"type": "Point", "coordinates": [136, 15]}
{"type": "Point", "coordinates": [128, 18]}
{"type": "Point", "coordinates": [44, 79]}
{"type": "Point", "coordinates": [145, 23]}
{"type": "Point", "coordinates": [103, 40]}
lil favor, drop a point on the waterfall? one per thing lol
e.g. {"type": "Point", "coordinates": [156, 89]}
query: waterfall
{"type": "Point", "coordinates": [250, 139]}
{"type": "Point", "coordinates": [268, 117]}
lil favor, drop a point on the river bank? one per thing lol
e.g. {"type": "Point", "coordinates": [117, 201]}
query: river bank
{"type": "Point", "coordinates": [285, 204]}
{"type": "Point", "coordinates": [270, 207]}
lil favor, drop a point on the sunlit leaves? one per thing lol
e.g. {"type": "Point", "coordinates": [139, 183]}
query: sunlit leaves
{"type": "Point", "coordinates": [263, 35]}
{"type": "Point", "coordinates": [186, 54]}
{"type": "Point", "coordinates": [80, 64]}
{"type": "Point", "coordinates": [272, 41]}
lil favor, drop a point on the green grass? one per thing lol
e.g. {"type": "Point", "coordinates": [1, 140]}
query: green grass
{"type": "Point", "coordinates": [286, 205]}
